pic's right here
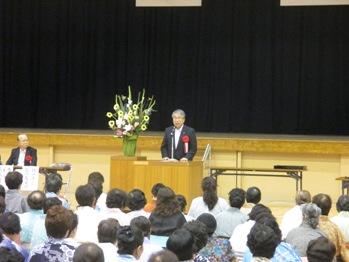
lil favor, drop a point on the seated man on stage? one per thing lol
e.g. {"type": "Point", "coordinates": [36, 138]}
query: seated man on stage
{"type": "Point", "coordinates": [179, 141]}
{"type": "Point", "coordinates": [23, 155]}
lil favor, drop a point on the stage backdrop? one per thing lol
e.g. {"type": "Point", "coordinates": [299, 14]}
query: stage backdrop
{"type": "Point", "coordinates": [233, 66]}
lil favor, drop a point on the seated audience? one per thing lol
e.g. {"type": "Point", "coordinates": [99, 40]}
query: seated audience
{"type": "Point", "coordinates": [96, 179]}
{"type": "Point", "coordinates": [2, 191]}
{"type": "Point", "coordinates": [58, 222]}
{"type": "Point", "coordinates": [107, 238]}
{"type": "Point", "coordinates": [149, 207]}
{"type": "Point", "coordinates": [11, 227]}
{"type": "Point", "coordinates": [181, 242]}
{"type": "Point", "coordinates": [130, 244]}
{"type": "Point", "coordinates": [321, 250]}
{"type": "Point", "coordinates": [331, 230]}
{"type": "Point", "coordinates": [70, 238]}
{"type": "Point", "coordinates": [293, 217]}
{"type": "Point", "coordinates": [342, 219]}
{"type": "Point", "coordinates": [15, 201]}
{"type": "Point", "coordinates": [300, 237]}
{"type": "Point", "coordinates": [53, 188]}
{"type": "Point", "coordinates": [88, 252]}
{"type": "Point", "coordinates": [253, 197]}
{"type": "Point", "coordinates": [230, 218]}
{"type": "Point", "coordinates": [10, 255]}
{"type": "Point", "coordinates": [2, 205]}
{"type": "Point", "coordinates": [116, 200]}
{"type": "Point", "coordinates": [28, 219]}
{"type": "Point", "coordinates": [166, 216]}
{"type": "Point", "coordinates": [143, 224]}
{"type": "Point", "coordinates": [23, 155]}
{"type": "Point", "coordinates": [163, 256]}
{"type": "Point", "coordinates": [209, 202]}
{"type": "Point", "coordinates": [182, 204]}
{"type": "Point", "coordinates": [217, 248]}
{"type": "Point", "coordinates": [135, 202]}
{"type": "Point", "coordinates": [88, 217]}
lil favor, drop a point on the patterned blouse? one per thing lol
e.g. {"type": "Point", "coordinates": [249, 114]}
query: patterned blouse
{"type": "Point", "coordinates": [218, 250]}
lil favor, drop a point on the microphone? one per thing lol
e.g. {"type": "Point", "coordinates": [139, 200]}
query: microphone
{"type": "Point", "coordinates": [172, 142]}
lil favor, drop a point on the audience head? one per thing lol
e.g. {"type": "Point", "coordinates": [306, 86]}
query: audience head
{"type": "Point", "coordinates": [116, 198]}
{"type": "Point", "coordinates": [10, 255]}
{"type": "Point", "coordinates": [14, 180]}
{"type": "Point", "coordinates": [321, 250]}
{"type": "Point", "coordinates": [166, 203]}
{"type": "Point", "coordinates": [141, 223]}
{"type": "Point", "coordinates": [209, 189]}
{"type": "Point", "coordinates": [58, 222]}
{"type": "Point", "coordinates": [10, 223]}
{"type": "Point", "coordinates": [97, 187]}
{"type": "Point", "coordinates": [253, 195]}
{"type": "Point", "coordinates": [51, 201]}
{"type": "Point", "coordinates": [311, 213]}
{"type": "Point", "coordinates": [88, 252]}
{"type": "Point", "coordinates": [136, 200]}
{"type": "Point", "coordinates": [237, 197]}
{"type": "Point", "coordinates": [23, 141]}
{"type": "Point", "coordinates": [181, 242]}
{"type": "Point", "coordinates": [163, 256]}
{"type": "Point", "coordinates": [2, 191]}
{"type": "Point", "coordinates": [107, 230]}
{"type": "Point", "coordinates": [324, 202]}
{"type": "Point", "coordinates": [96, 180]}
{"type": "Point", "coordinates": [74, 224]}
{"type": "Point", "coordinates": [155, 189]}
{"type": "Point", "coordinates": [182, 202]}
{"type": "Point", "coordinates": [36, 200]}
{"type": "Point", "coordinates": [54, 183]}
{"type": "Point", "coordinates": [303, 197]}
{"type": "Point", "coordinates": [259, 210]}
{"type": "Point", "coordinates": [209, 221]}
{"type": "Point", "coordinates": [85, 195]}
{"type": "Point", "coordinates": [2, 205]}
{"type": "Point", "coordinates": [343, 203]}
{"type": "Point", "coordinates": [270, 221]}
{"type": "Point", "coordinates": [199, 232]}
{"type": "Point", "coordinates": [262, 241]}
{"type": "Point", "coordinates": [130, 241]}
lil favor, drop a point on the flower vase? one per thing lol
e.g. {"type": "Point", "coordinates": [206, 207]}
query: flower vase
{"type": "Point", "coordinates": [129, 145]}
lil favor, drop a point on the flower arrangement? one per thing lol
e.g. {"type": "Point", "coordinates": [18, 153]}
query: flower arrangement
{"type": "Point", "coordinates": [130, 118]}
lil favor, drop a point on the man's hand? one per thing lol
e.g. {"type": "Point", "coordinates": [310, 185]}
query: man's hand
{"type": "Point", "coordinates": [183, 159]}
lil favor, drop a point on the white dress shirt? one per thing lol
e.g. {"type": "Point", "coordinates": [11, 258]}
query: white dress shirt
{"type": "Point", "coordinates": [177, 135]}
{"type": "Point", "coordinates": [21, 157]}
{"type": "Point", "coordinates": [198, 207]}
{"type": "Point", "coordinates": [88, 224]}
{"type": "Point", "coordinates": [291, 219]}
{"type": "Point", "coordinates": [342, 221]}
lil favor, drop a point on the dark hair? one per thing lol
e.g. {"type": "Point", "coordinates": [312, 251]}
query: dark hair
{"type": "Point", "coordinates": [129, 239]}
{"type": "Point", "coordinates": [2, 205]}
{"type": "Point", "coordinates": [155, 188]}
{"type": "Point", "coordinates": [116, 198]}
{"type": "Point", "coordinates": [98, 188]}
{"type": "Point", "coordinates": [10, 223]}
{"type": "Point", "coordinates": [237, 197]}
{"type": "Point", "coordinates": [136, 199]}
{"type": "Point", "coordinates": [209, 188]}
{"type": "Point", "coordinates": [2, 191]}
{"type": "Point", "coordinates": [53, 183]}
{"type": "Point", "coordinates": [163, 256]}
{"type": "Point", "coordinates": [210, 221]}
{"type": "Point", "coordinates": [321, 250]}
{"type": "Point", "coordinates": [343, 203]}
{"type": "Point", "coordinates": [270, 221]}
{"type": "Point", "coordinates": [199, 232]}
{"type": "Point", "coordinates": [262, 241]}
{"type": "Point", "coordinates": [95, 176]}
{"type": "Point", "coordinates": [303, 197]}
{"type": "Point", "coordinates": [182, 202]}
{"type": "Point", "coordinates": [10, 255]}
{"type": "Point", "coordinates": [88, 252]}
{"type": "Point", "coordinates": [50, 202]}
{"type": "Point", "coordinates": [36, 200]}
{"type": "Point", "coordinates": [58, 221]}
{"type": "Point", "coordinates": [142, 223]}
{"type": "Point", "coordinates": [253, 195]}
{"type": "Point", "coordinates": [324, 202]}
{"type": "Point", "coordinates": [181, 243]}
{"type": "Point", "coordinates": [74, 222]}
{"type": "Point", "coordinates": [14, 180]}
{"type": "Point", "coordinates": [107, 230]}
{"type": "Point", "coordinates": [257, 210]}
{"type": "Point", "coordinates": [166, 204]}
{"type": "Point", "coordinates": [85, 195]}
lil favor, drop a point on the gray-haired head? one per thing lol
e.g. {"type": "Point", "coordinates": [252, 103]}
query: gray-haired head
{"type": "Point", "coordinates": [178, 112]}
{"type": "Point", "coordinates": [311, 214]}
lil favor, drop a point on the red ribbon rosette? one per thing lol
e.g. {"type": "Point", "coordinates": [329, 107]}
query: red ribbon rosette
{"type": "Point", "coordinates": [28, 158]}
{"type": "Point", "coordinates": [185, 140]}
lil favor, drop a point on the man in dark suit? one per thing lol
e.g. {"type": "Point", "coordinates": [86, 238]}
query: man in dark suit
{"type": "Point", "coordinates": [23, 155]}
{"type": "Point", "coordinates": [179, 142]}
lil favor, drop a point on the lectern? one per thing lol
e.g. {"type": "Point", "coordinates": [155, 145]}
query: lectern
{"type": "Point", "coordinates": [128, 173]}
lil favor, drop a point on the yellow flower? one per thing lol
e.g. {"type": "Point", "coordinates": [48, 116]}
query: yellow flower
{"type": "Point", "coordinates": [116, 107]}
{"type": "Point", "coordinates": [143, 127]}
{"type": "Point", "coordinates": [135, 106]}
{"type": "Point", "coordinates": [109, 114]}
{"type": "Point", "coordinates": [120, 113]}
{"type": "Point", "coordinates": [111, 123]}
{"type": "Point", "coordinates": [130, 117]}
{"type": "Point", "coordinates": [146, 118]}
{"type": "Point", "coordinates": [130, 113]}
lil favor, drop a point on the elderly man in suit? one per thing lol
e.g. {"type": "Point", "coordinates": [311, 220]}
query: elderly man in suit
{"type": "Point", "coordinates": [23, 155]}
{"type": "Point", "coordinates": [179, 142]}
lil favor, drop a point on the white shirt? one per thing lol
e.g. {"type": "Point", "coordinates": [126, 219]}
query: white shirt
{"type": "Point", "coordinates": [238, 240]}
{"type": "Point", "coordinates": [198, 207]}
{"type": "Point", "coordinates": [138, 213]}
{"type": "Point", "coordinates": [177, 135]}
{"type": "Point", "coordinates": [110, 251]}
{"type": "Point", "coordinates": [123, 218]}
{"type": "Point", "coordinates": [291, 219]}
{"type": "Point", "coordinates": [342, 221]}
{"type": "Point", "coordinates": [148, 249]}
{"type": "Point", "coordinates": [21, 157]}
{"type": "Point", "coordinates": [88, 224]}
{"type": "Point", "coordinates": [101, 202]}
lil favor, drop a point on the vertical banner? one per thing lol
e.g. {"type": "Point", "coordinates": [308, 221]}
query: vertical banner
{"type": "Point", "coordinates": [30, 178]}
{"type": "Point", "coordinates": [4, 169]}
